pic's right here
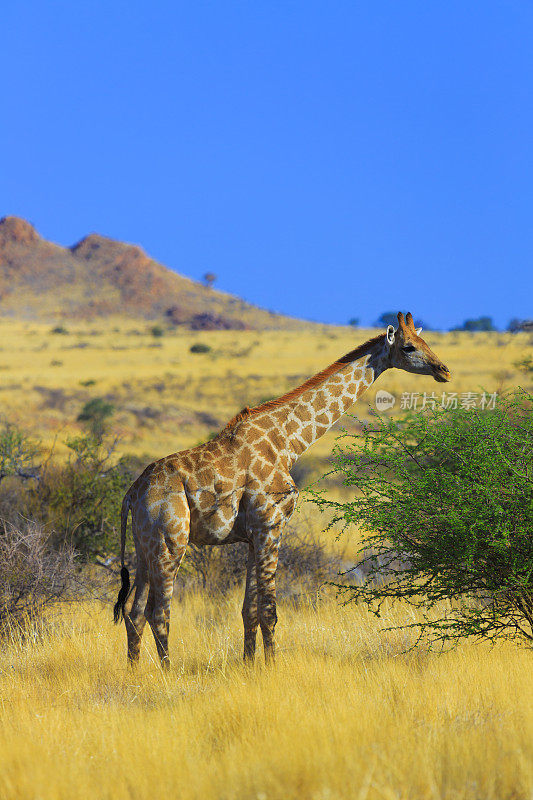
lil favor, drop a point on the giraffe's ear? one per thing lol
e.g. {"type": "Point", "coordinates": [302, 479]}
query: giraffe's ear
{"type": "Point", "coordinates": [418, 331]}
{"type": "Point", "coordinates": [390, 334]}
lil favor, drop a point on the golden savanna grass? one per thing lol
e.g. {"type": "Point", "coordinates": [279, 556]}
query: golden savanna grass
{"type": "Point", "coordinates": [346, 712]}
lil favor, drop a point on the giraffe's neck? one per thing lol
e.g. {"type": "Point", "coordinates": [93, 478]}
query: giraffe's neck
{"type": "Point", "coordinates": [313, 413]}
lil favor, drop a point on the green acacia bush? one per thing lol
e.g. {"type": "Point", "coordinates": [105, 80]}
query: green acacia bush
{"type": "Point", "coordinates": [447, 499]}
{"type": "Point", "coordinates": [77, 501]}
{"type": "Point", "coordinates": [80, 500]}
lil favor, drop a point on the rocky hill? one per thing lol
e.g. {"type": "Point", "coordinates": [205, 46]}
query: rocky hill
{"type": "Point", "coordinates": [101, 277]}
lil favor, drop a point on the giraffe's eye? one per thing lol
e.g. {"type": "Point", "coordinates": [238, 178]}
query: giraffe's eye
{"type": "Point", "coordinates": [409, 348]}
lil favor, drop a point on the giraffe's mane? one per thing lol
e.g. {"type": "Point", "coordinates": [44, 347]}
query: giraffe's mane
{"type": "Point", "coordinates": [310, 383]}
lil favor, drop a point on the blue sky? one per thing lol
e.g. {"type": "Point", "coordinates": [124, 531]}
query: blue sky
{"type": "Point", "coordinates": [328, 160]}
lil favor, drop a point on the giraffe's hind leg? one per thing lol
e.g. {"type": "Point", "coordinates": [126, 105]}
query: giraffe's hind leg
{"type": "Point", "coordinates": [135, 620]}
{"type": "Point", "coordinates": [173, 536]}
{"type": "Point", "coordinates": [158, 614]}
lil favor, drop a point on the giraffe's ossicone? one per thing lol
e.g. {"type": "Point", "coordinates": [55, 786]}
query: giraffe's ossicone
{"type": "Point", "coordinates": [238, 488]}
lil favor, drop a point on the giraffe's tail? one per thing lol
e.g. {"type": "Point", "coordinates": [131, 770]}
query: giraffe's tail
{"type": "Point", "coordinates": [118, 611]}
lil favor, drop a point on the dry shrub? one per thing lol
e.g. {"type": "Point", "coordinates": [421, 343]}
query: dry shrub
{"type": "Point", "coordinates": [13, 500]}
{"type": "Point", "coordinates": [33, 574]}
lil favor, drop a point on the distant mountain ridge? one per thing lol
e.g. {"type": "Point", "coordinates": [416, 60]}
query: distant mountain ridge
{"type": "Point", "coordinates": [99, 277]}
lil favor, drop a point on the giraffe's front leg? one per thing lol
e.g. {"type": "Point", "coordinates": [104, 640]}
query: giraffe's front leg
{"type": "Point", "coordinates": [250, 616]}
{"type": "Point", "coordinates": [266, 562]}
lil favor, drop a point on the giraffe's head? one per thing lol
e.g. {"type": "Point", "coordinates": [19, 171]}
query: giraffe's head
{"type": "Point", "coordinates": [410, 352]}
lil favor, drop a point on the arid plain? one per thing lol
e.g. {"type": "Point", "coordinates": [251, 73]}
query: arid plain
{"type": "Point", "coordinates": [167, 398]}
{"type": "Point", "coordinates": [346, 712]}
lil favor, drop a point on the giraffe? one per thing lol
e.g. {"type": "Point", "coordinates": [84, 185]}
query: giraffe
{"type": "Point", "coordinates": [237, 487]}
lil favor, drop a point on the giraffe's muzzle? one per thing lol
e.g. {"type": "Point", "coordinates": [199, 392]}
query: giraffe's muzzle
{"type": "Point", "coordinates": [441, 373]}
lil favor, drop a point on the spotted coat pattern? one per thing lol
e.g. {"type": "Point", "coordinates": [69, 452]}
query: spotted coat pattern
{"type": "Point", "coordinates": [238, 488]}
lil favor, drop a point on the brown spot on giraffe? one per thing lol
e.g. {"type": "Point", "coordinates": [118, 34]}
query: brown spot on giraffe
{"type": "Point", "coordinates": [238, 488]}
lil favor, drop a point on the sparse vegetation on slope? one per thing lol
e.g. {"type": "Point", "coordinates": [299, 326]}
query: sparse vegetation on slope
{"type": "Point", "coordinates": [99, 277]}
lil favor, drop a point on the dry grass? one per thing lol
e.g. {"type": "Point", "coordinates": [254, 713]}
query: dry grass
{"type": "Point", "coordinates": [344, 714]}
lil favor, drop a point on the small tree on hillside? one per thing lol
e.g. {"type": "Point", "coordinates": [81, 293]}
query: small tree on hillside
{"type": "Point", "coordinates": [209, 279]}
{"type": "Point", "coordinates": [448, 497]}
